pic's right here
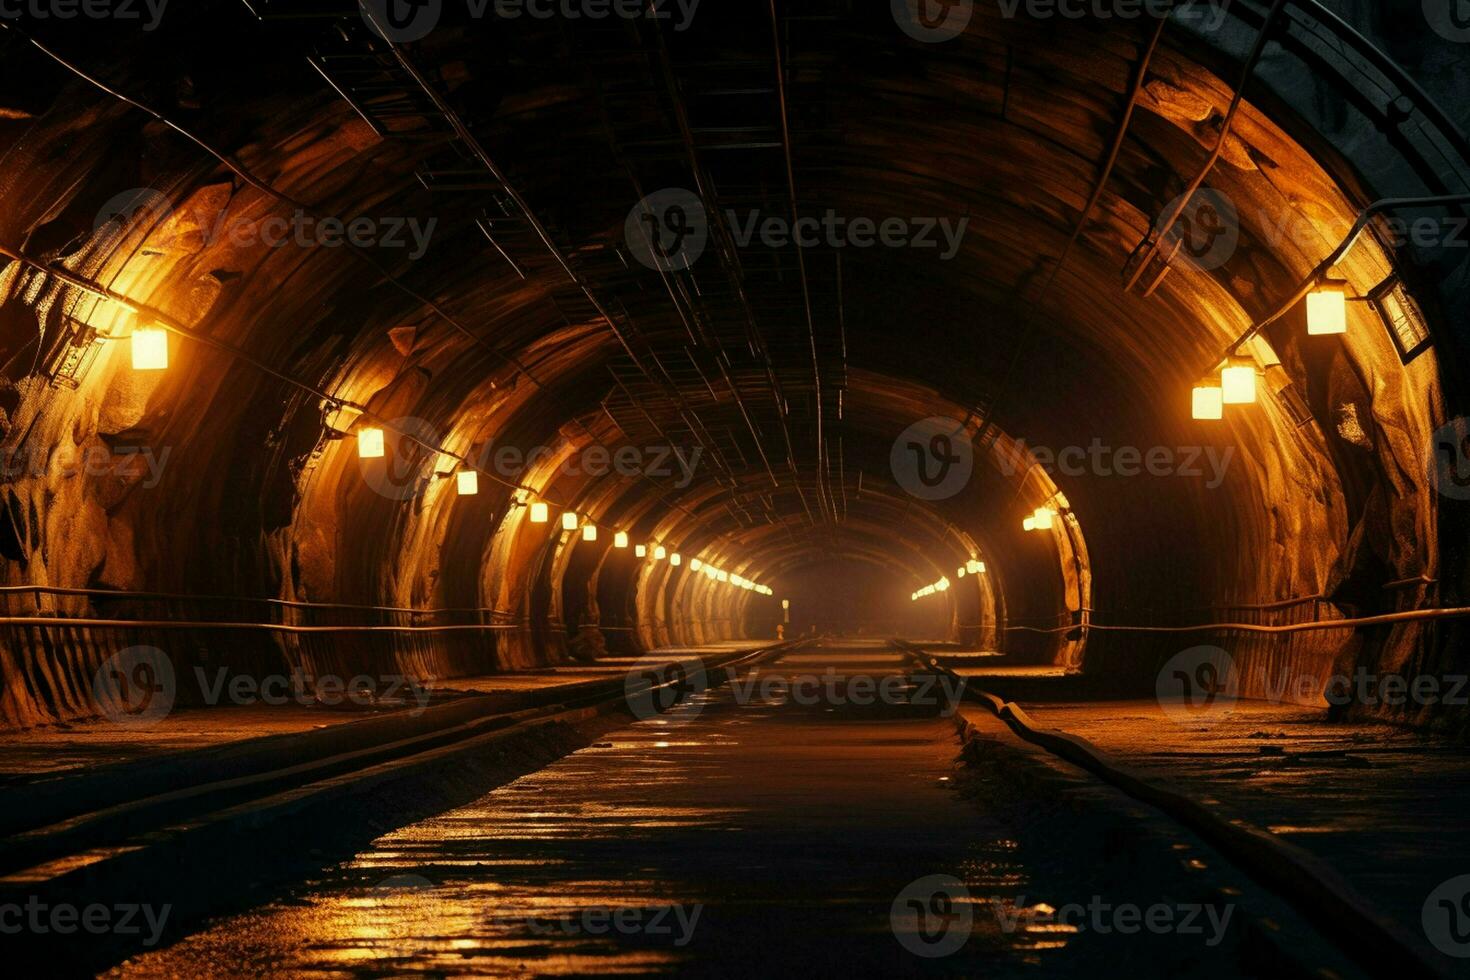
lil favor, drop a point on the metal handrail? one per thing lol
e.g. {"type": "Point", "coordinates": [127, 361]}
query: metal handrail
{"type": "Point", "coordinates": [126, 594]}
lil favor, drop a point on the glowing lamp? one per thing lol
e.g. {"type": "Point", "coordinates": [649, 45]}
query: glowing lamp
{"type": "Point", "coordinates": [589, 532]}
{"type": "Point", "coordinates": [467, 482]}
{"type": "Point", "coordinates": [1043, 519]}
{"type": "Point", "coordinates": [620, 540]}
{"type": "Point", "coordinates": [540, 513]}
{"type": "Point", "coordinates": [942, 585]}
{"type": "Point", "coordinates": [961, 572]}
{"type": "Point", "coordinates": [640, 551]}
{"type": "Point", "coordinates": [695, 564]}
{"type": "Point", "coordinates": [981, 567]}
{"type": "Point", "coordinates": [1029, 524]}
{"type": "Point", "coordinates": [569, 521]}
{"type": "Point", "coordinates": [723, 576]}
{"type": "Point", "coordinates": [1327, 308]}
{"type": "Point", "coordinates": [675, 559]}
{"type": "Point", "coordinates": [785, 603]}
{"type": "Point", "coordinates": [974, 566]}
{"type": "Point", "coordinates": [1238, 384]}
{"type": "Point", "coordinates": [370, 443]}
{"type": "Point", "coordinates": [659, 552]}
{"type": "Point", "coordinates": [150, 349]}
{"type": "Point", "coordinates": [1209, 402]}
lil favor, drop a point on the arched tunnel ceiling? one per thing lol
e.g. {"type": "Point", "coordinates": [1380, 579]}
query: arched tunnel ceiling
{"type": "Point", "coordinates": [523, 317]}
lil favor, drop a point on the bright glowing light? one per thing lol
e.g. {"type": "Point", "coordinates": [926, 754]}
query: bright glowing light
{"type": "Point", "coordinates": [569, 521]}
{"type": "Point", "coordinates": [942, 585]}
{"type": "Point", "coordinates": [961, 572]}
{"type": "Point", "coordinates": [1209, 402]}
{"type": "Point", "coordinates": [785, 603]}
{"type": "Point", "coordinates": [468, 482]}
{"type": "Point", "coordinates": [695, 564]}
{"type": "Point", "coordinates": [620, 540]}
{"type": "Point", "coordinates": [150, 349]}
{"type": "Point", "coordinates": [540, 513]}
{"type": "Point", "coordinates": [1238, 384]}
{"type": "Point", "coordinates": [589, 532]}
{"type": "Point", "coordinates": [974, 566]}
{"type": "Point", "coordinates": [1029, 524]}
{"type": "Point", "coordinates": [640, 551]}
{"type": "Point", "coordinates": [1327, 308]}
{"type": "Point", "coordinates": [979, 567]}
{"type": "Point", "coordinates": [1043, 519]}
{"type": "Point", "coordinates": [723, 576]}
{"type": "Point", "coordinates": [659, 553]}
{"type": "Point", "coordinates": [370, 443]}
{"type": "Point", "coordinates": [675, 559]}
{"type": "Point", "coordinates": [711, 572]}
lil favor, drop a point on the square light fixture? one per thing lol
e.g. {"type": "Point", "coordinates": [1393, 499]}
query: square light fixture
{"type": "Point", "coordinates": [1209, 402]}
{"type": "Point", "coordinates": [540, 513]}
{"type": "Point", "coordinates": [569, 521]}
{"type": "Point", "coordinates": [150, 349]}
{"type": "Point", "coordinates": [1238, 383]}
{"type": "Point", "coordinates": [468, 482]}
{"type": "Point", "coordinates": [370, 443]}
{"type": "Point", "coordinates": [620, 540]}
{"type": "Point", "coordinates": [589, 532]}
{"type": "Point", "coordinates": [1327, 308]}
{"type": "Point", "coordinates": [640, 551]}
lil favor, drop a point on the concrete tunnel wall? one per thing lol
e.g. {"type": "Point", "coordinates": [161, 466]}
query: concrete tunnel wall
{"type": "Point", "coordinates": [263, 494]}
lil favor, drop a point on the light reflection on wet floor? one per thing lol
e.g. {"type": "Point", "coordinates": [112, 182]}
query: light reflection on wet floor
{"type": "Point", "coordinates": [787, 829]}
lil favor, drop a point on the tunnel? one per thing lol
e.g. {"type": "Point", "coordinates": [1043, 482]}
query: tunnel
{"type": "Point", "coordinates": [806, 417]}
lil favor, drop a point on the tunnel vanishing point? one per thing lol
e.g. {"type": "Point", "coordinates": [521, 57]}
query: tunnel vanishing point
{"type": "Point", "coordinates": [376, 367]}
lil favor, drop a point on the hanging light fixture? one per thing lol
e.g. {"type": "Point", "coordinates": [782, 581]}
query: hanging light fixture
{"type": "Point", "coordinates": [467, 482]}
{"type": "Point", "coordinates": [675, 559]}
{"type": "Point", "coordinates": [1238, 383]}
{"type": "Point", "coordinates": [974, 566]}
{"type": "Point", "coordinates": [370, 443]}
{"type": "Point", "coordinates": [659, 553]}
{"type": "Point", "coordinates": [1029, 524]}
{"type": "Point", "coordinates": [1209, 401]}
{"type": "Point", "coordinates": [569, 521]}
{"type": "Point", "coordinates": [1327, 308]}
{"type": "Point", "coordinates": [620, 540]}
{"type": "Point", "coordinates": [540, 513]}
{"type": "Point", "coordinates": [695, 564]}
{"type": "Point", "coordinates": [960, 573]}
{"type": "Point", "coordinates": [1044, 517]}
{"type": "Point", "coordinates": [640, 551]}
{"type": "Point", "coordinates": [589, 532]}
